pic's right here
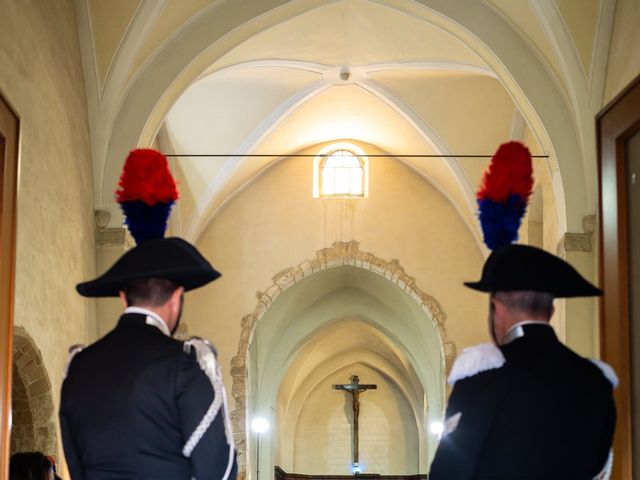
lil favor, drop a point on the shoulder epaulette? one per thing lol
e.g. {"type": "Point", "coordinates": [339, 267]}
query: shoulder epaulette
{"type": "Point", "coordinates": [474, 360]}
{"type": "Point", "coordinates": [207, 360]}
{"type": "Point", "coordinates": [73, 351]}
{"type": "Point", "coordinates": [607, 370]}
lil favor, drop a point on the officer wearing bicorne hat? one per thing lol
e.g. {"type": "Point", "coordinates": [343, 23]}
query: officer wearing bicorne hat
{"type": "Point", "coordinates": [524, 406]}
{"type": "Point", "coordinates": [138, 404]}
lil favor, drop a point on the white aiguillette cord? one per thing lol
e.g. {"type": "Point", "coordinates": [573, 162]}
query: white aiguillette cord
{"type": "Point", "coordinates": [207, 361]}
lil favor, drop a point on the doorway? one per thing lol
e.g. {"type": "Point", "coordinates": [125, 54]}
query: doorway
{"type": "Point", "coordinates": [619, 173]}
{"type": "Point", "coordinates": [9, 137]}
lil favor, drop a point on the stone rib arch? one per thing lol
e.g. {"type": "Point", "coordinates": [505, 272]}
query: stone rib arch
{"type": "Point", "coordinates": [338, 255]}
{"type": "Point", "coordinates": [33, 412]}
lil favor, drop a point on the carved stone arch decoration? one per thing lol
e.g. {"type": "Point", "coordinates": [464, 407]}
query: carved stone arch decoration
{"type": "Point", "coordinates": [33, 413]}
{"type": "Point", "coordinates": [339, 254]}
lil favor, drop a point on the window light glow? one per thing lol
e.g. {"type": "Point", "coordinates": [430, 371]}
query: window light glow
{"type": "Point", "coordinates": [342, 175]}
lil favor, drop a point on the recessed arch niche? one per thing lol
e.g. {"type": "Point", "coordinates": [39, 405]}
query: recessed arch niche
{"type": "Point", "coordinates": [342, 284]}
{"type": "Point", "coordinates": [32, 410]}
{"type": "Point", "coordinates": [313, 417]}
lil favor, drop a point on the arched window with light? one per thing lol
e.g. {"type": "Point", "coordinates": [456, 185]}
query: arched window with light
{"type": "Point", "coordinates": [341, 173]}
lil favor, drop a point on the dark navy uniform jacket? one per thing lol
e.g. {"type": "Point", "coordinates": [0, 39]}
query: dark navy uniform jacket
{"type": "Point", "coordinates": [130, 402]}
{"type": "Point", "coordinates": [547, 413]}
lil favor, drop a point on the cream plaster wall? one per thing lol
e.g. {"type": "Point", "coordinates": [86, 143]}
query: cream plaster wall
{"type": "Point", "coordinates": [581, 314]}
{"type": "Point", "coordinates": [581, 18]}
{"type": "Point", "coordinates": [41, 77]}
{"type": "Point", "coordinates": [624, 55]}
{"type": "Point", "coordinates": [173, 16]}
{"type": "Point", "coordinates": [110, 20]}
{"type": "Point", "coordinates": [521, 14]}
{"type": "Point", "coordinates": [545, 172]}
{"type": "Point", "coordinates": [354, 32]}
{"type": "Point", "coordinates": [108, 309]}
{"type": "Point", "coordinates": [388, 431]}
{"type": "Point", "coordinates": [471, 113]}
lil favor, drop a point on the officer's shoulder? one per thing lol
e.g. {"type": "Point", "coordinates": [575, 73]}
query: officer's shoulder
{"type": "Point", "coordinates": [203, 350]}
{"type": "Point", "coordinates": [73, 351]}
{"type": "Point", "coordinates": [475, 360]}
{"type": "Point", "coordinates": [198, 343]}
{"type": "Point", "coordinates": [606, 370]}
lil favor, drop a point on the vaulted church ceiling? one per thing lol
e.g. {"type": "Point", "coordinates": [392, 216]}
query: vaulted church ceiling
{"type": "Point", "coordinates": [370, 72]}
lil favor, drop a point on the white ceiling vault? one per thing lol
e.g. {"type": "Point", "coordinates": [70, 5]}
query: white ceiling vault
{"type": "Point", "coordinates": [404, 77]}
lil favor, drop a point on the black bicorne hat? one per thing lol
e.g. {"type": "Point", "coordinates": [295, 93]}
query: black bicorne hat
{"type": "Point", "coordinates": [170, 258]}
{"type": "Point", "coordinates": [522, 267]}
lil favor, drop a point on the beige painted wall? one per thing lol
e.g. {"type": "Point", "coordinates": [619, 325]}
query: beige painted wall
{"type": "Point", "coordinates": [624, 54]}
{"type": "Point", "coordinates": [108, 309]}
{"type": "Point", "coordinates": [388, 431]}
{"type": "Point", "coordinates": [41, 77]}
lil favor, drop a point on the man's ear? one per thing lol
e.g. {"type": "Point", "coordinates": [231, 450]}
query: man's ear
{"type": "Point", "coordinates": [123, 297]}
{"type": "Point", "coordinates": [175, 296]}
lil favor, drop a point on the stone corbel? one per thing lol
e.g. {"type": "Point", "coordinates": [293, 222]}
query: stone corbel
{"type": "Point", "coordinates": [578, 242]}
{"type": "Point", "coordinates": [111, 236]}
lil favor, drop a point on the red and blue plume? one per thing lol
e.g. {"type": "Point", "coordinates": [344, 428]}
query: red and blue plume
{"type": "Point", "coordinates": [502, 199]}
{"type": "Point", "coordinates": [147, 193]}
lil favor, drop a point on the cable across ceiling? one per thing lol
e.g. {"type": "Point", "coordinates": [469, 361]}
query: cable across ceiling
{"type": "Point", "coordinates": [302, 155]}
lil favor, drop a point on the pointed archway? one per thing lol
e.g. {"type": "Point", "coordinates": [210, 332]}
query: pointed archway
{"type": "Point", "coordinates": [428, 334]}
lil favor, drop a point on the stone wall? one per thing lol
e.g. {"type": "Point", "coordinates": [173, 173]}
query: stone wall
{"type": "Point", "coordinates": [33, 413]}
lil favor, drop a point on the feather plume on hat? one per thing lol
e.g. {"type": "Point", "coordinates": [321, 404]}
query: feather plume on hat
{"type": "Point", "coordinates": [147, 193]}
{"type": "Point", "coordinates": [504, 193]}
{"type": "Point", "coordinates": [502, 200]}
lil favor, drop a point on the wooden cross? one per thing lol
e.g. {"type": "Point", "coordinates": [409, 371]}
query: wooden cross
{"type": "Point", "coordinates": [355, 389]}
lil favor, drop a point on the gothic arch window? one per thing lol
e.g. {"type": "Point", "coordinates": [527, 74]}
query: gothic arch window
{"type": "Point", "coordinates": [341, 172]}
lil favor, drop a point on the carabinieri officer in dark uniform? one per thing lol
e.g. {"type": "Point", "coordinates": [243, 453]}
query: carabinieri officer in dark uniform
{"type": "Point", "coordinates": [527, 407]}
{"type": "Point", "coordinates": [138, 404]}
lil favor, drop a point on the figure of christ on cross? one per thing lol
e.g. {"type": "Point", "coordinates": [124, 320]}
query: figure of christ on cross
{"type": "Point", "coordinates": [355, 389]}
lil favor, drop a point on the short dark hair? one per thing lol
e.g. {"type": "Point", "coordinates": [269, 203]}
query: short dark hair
{"type": "Point", "coordinates": [528, 302]}
{"type": "Point", "coordinates": [29, 466]}
{"type": "Point", "coordinates": [151, 292]}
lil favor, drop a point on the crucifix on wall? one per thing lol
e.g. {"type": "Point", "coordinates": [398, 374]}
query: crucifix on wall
{"type": "Point", "coordinates": [355, 389]}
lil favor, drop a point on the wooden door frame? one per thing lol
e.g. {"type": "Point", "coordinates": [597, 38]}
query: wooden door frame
{"type": "Point", "coordinates": [10, 137]}
{"type": "Point", "coordinates": [615, 124]}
